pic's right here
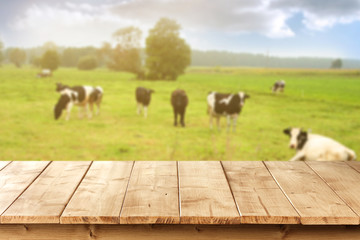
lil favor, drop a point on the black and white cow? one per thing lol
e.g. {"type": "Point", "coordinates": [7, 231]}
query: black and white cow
{"type": "Point", "coordinates": [229, 105]}
{"type": "Point", "coordinates": [278, 86]}
{"type": "Point", "coordinates": [82, 96]}
{"type": "Point", "coordinates": [314, 147]}
{"type": "Point", "coordinates": [143, 98]}
{"type": "Point", "coordinates": [179, 102]}
{"type": "Point", "coordinates": [44, 73]}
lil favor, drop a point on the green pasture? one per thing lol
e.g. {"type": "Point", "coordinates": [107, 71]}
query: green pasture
{"type": "Point", "coordinates": [326, 101]}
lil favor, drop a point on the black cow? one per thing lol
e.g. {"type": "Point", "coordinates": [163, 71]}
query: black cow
{"type": "Point", "coordinates": [143, 98]}
{"type": "Point", "coordinates": [179, 101]}
{"type": "Point", "coordinates": [229, 105]}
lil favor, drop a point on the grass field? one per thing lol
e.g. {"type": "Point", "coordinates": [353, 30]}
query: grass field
{"type": "Point", "coordinates": [326, 101]}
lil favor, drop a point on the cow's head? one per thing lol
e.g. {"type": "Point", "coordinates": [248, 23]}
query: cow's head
{"type": "Point", "coordinates": [298, 137]}
{"type": "Point", "coordinates": [243, 96]}
{"type": "Point", "coordinates": [60, 87]}
{"type": "Point", "coordinates": [61, 105]}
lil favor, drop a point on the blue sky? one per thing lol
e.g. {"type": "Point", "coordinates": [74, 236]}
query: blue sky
{"type": "Point", "coordinates": [319, 28]}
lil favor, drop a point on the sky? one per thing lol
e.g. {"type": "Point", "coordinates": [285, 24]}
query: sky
{"type": "Point", "coordinates": [316, 28]}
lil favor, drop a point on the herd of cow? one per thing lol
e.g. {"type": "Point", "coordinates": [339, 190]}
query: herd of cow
{"type": "Point", "coordinates": [308, 146]}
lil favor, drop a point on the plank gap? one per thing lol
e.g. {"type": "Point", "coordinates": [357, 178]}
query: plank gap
{"type": "Point", "coordinates": [47, 165]}
{"type": "Point", "coordinates": [87, 170]}
{"type": "Point", "coordinates": [4, 166]}
{"type": "Point", "coordinates": [282, 190]}
{"type": "Point", "coordinates": [332, 189]}
{"type": "Point", "coordinates": [232, 193]}
{"type": "Point", "coordinates": [127, 187]}
{"type": "Point", "coordinates": [178, 183]}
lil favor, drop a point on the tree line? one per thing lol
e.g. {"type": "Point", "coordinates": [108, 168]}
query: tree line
{"type": "Point", "coordinates": [165, 56]}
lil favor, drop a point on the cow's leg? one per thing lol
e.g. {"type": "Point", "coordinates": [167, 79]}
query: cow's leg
{"type": "Point", "coordinates": [211, 120]}
{"type": "Point", "coordinates": [91, 106]}
{"type": "Point", "coordinates": [98, 105]}
{"type": "Point", "coordinates": [298, 156]}
{"type": "Point", "coordinates": [81, 112]}
{"type": "Point", "coordinates": [138, 108]}
{"type": "Point", "coordinates": [98, 108]}
{"type": "Point", "coordinates": [87, 112]}
{"type": "Point", "coordinates": [218, 123]}
{"type": "Point", "coordinates": [175, 117]}
{"type": "Point", "coordinates": [235, 117]}
{"type": "Point", "coordinates": [68, 110]}
{"type": "Point", "coordinates": [145, 111]}
{"type": "Point", "coordinates": [182, 115]}
{"type": "Point", "coordinates": [228, 117]}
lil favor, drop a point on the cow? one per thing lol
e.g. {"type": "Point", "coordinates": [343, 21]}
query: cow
{"type": "Point", "coordinates": [278, 86]}
{"type": "Point", "coordinates": [82, 96]}
{"type": "Point", "coordinates": [179, 102]}
{"type": "Point", "coordinates": [143, 98]}
{"type": "Point", "coordinates": [44, 73]}
{"type": "Point", "coordinates": [225, 104]}
{"type": "Point", "coordinates": [314, 147]}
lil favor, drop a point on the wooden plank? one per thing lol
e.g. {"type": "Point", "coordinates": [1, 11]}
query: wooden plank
{"type": "Point", "coordinates": [258, 196]}
{"type": "Point", "coordinates": [100, 195]}
{"type": "Point", "coordinates": [3, 164]}
{"type": "Point", "coordinates": [15, 178]}
{"type": "Point", "coordinates": [152, 196]}
{"type": "Point", "coordinates": [343, 179]}
{"type": "Point", "coordinates": [355, 165]}
{"type": "Point", "coordinates": [177, 232]}
{"type": "Point", "coordinates": [310, 195]}
{"type": "Point", "coordinates": [45, 199]}
{"type": "Point", "coordinates": [205, 196]}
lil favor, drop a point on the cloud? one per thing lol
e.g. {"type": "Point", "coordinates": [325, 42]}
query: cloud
{"type": "Point", "coordinates": [321, 14]}
{"type": "Point", "coordinates": [69, 24]}
{"type": "Point", "coordinates": [235, 16]}
{"type": "Point", "coordinates": [90, 22]}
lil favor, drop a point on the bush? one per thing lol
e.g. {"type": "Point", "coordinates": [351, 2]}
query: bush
{"type": "Point", "coordinates": [50, 60]}
{"type": "Point", "coordinates": [87, 63]}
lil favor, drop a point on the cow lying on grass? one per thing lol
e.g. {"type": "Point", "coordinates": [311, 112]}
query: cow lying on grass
{"type": "Point", "coordinates": [44, 73]}
{"type": "Point", "coordinates": [313, 147]}
{"type": "Point", "coordinates": [143, 98]}
{"type": "Point", "coordinates": [278, 86]}
{"type": "Point", "coordinates": [179, 101]}
{"type": "Point", "coordinates": [82, 96]}
{"type": "Point", "coordinates": [229, 105]}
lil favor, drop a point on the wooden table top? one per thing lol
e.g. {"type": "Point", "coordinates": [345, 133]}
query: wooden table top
{"type": "Point", "coordinates": [185, 192]}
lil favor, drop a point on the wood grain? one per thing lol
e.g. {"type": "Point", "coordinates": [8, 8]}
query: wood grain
{"type": "Point", "coordinates": [310, 195]}
{"type": "Point", "coordinates": [100, 195]}
{"type": "Point", "coordinates": [152, 195]}
{"type": "Point", "coordinates": [258, 196]}
{"type": "Point", "coordinates": [354, 164]}
{"type": "Point", "coordinates": [343, 179]}
{"type": "Point", "coordinates": [177, 232]}
{"type": "Point", "coordinates": [3, 164]}
{"type": "Point", "coordinates": [45, 199]}
{"type": "Point", "coordinates": [15, 178]}
{"type": "Point", "coordinates": [205, 196]}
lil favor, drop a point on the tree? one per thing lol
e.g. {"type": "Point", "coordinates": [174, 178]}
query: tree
{"type": "Point", "coordinates": [1, 52]}
{"type": "Point", "coordinates": [336, 64]}
{"type": "Point", "coordinates": [167, 54]}
{"type": "Point", "coordinates": [87, 63]}
{"type": "Point", "coordinates": [17, 56]}
{"type": "Point", "coordinates": [49, 46]}
{"type": "Point", "coordinates": [36, 61]}
{"type": "Point", "coordinates": [50, 60]}
{"type": "Point", "coordinates": [126, 54]}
